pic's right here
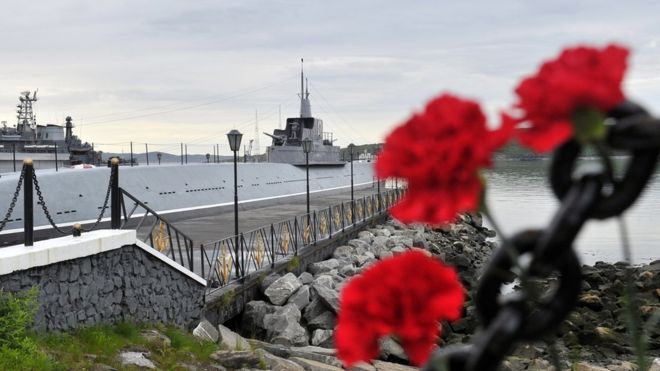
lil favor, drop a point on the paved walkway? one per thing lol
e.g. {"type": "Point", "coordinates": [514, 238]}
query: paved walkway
{"type": "Point", "coordinates": [211, 228]}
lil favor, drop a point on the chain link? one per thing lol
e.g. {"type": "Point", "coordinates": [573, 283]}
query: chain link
{"type": "Point", "coordinates": [529, 315]}
{"type": "Point", "coordinates": [50, 218]}
{"type": "Point", "coordinates": [13, 200]}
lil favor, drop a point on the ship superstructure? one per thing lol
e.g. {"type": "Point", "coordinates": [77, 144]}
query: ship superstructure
{"type": "Point", "coordinates": [46, 144]}
{"type": "Point", "coordinates": [287, 143]}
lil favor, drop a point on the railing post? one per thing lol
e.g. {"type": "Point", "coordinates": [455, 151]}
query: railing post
{"type": "Point", "coordinates": [115, 201]}
{"type": "Point", "coordinates": [331, 221]}
{"type": "Point", "coordinates": [272, 245]}
{"type": "Point", "coordinates": [315, 226]}
{"type": "Point", "coordinates": [56, 165]}
{"type": "Point", "coordinates": [28, 210]}
{"type": "Point", "coordinates": [242, 242]}
{"type": "Point", "coordinates": [201, 258]}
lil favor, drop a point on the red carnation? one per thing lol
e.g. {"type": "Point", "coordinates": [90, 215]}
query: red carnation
{"type": "Point", "coordinates": [439, 152]}
{"type": "Point", "coordinates": [407, 296]}
{"type": "Point", "coordinates": [581, 77]}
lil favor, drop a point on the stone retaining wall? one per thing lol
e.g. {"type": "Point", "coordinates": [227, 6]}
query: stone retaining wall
{"type": "Point", "coordinates": [125, 284]}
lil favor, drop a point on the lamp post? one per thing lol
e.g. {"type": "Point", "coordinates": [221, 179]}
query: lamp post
{"type": "Point", "coordinates": [350, 148]}
{"type": "Point", "coordinates": [235, 137]}
{"type": "Point", "coordinates": [307, 148]}
{"type": "Point", "coordinates": [378, 149]}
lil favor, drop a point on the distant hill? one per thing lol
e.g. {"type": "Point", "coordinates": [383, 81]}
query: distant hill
{"type": "Point", "coordinates": [141, 158]}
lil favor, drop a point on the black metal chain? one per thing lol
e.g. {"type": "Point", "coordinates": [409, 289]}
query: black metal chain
{"type": "Point", "coordinates": [42, 202]}
{"type": "Point", "coordinates": [527, 315]}
{"type": "Point", "coordinates": [12, 204]}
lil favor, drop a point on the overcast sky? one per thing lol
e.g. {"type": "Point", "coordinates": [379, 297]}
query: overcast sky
{"type": "Point", "coordinates": [167, 71]}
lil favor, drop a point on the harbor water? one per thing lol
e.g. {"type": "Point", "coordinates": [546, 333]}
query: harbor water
{"type": "Point", "coordinates": [519, 197]}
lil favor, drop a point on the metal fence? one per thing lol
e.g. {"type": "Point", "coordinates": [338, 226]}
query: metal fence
{"type": "Point", "coordinates": [224, 262]}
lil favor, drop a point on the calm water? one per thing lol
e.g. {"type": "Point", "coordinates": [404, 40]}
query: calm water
{"type": "Point", "coordinates": [519, 197]}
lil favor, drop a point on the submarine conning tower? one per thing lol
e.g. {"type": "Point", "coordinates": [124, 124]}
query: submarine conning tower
{"type": "Point", "coordinates": [287, 143]}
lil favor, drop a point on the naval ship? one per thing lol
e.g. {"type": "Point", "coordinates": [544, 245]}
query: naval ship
{"type": "Point", "coordinates": [186, 191]}
{"type": "Point", "coordinates": [49, 146]}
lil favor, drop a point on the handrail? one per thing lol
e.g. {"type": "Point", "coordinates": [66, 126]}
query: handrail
{"type": "Point", "coordinates": [264, 246]}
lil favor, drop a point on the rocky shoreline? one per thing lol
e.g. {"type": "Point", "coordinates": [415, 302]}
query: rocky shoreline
{"type": "Point", "coordinates": [299, 311]}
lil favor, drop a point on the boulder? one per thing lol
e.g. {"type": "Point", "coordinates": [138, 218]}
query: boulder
{"type": "Point", "coordinates": [323, 338]}
{"type": "Point", "coordinates": [398, 250]}
{"type": "Point", "coordinates": [382, 232]}
{"type": "Point", "coordinates": [276, 363]}
{"type": "Point", "coordinates": [399, 240]}
{"type": "Point", "coordinates": [136, 359]}
{"type": "Point", "coordinates": [228, 339]}
{"type": "Point", "coordinates": [252, 322]}
{"type": "Point", "coordinates": [323, 266]}
{"type": "Point", "coordinates": [361, 260]}
{"type": "Point", "coordinates": [235, 360]}
{"type": "Point", "coordinates": [282, 327]}
{"type": "Point", "coordinates": [300, 298]}
{"type": "Point", "coordinates": [206, 331]}
{"type": "Point", "coordinates": [314, 309]}
{"type": "Point", "coordinates": [311, 365]}
{"type": "Point", "coordinates": [267, 281]}
{"type": "Point", "coordinates": [324, 321]}
{"type": "Point", "coordinates": [343, 252]}
{"type": "Point", "coordinates": [391, 350]}
{"type": "Point", "coordinates": [280, 290]}
{"type": "Point", "coordinates": [590, 301]}
{"type": "Point", "coordinates": [350, 270]}
{"type": "Point", "coordinates": [306, 278]}
{"type": "Point", "coordinates": [358, 244]}
{"type": "Point", "coordinates": [328, 296]}
{"type": "Point", "coordinates": [584, 366]}
{"type": "Point", "coordinates": [366, 236]}
{"type": "Point", "coordinates": [324, 280]}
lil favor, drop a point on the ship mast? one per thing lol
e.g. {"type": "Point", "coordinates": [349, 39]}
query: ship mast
{"type": "Point", "coordinates": [27, 121]}
{"type": "Point", "coordinates": [305, 108]}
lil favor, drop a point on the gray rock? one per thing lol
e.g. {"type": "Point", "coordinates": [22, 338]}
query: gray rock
{"type": "Point", "coordinates": [300, 298]}
{"type": "Point", "coordinates": [276, 363]}
{"type": "Point", "coordinates": [361, 260]}
{"type": "Point", "coordinates": [280, 290]}
{"type": "Point", "coordinates": [324, 321]}
{"type": "Point", "coordinates": [306, 278]}
{"type": "Point", "coordinates": [324, 280]}
{"type": "Point", "coordinates": [311, 365]}
{"type": "Point", "coordinates": [382, 233]}
{"type": "Point", "coordinates": [314, 309]}
{"type": "Point", "coordinates": [328, 297]}
{"type": "Point", "coordinates": [349, 270]}
{"type": "Point", "coordinates": [283, 328]}
{"type": "Point", "coordinates": [206, 331]}
{"type": "Point", "coordinates": [398, 250]}
{"type": "Point", "coordinates": [236, 359]}
{"type": "Point", "coordinates": [323, 338]}
{"type": "Point", "coordinates": [323, 266]}
{"type": "Point", "coordinates": [391, 350]}
{"type": "Point", "coordinates": [400, 240]}
{"type": "Point", "coordinates": [343, 252]}
{"type": "Point", "coordinates": [267, 281]}
{"type": "Point", "coordinates": [137, 359]}
{"type": "Point", "coordinates": [366, 236]}
{"type": "Point", "coordinates": [228, 339]}
{"type": "Point", "coordinates": [358, 244]}
{"type": "Point", "coordinates": [253, 318]}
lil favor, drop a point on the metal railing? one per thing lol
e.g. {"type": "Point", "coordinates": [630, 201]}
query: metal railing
{"type": "Point", "coordinates": [160, 235]}
{"type": "Point", "coordinates": [222, 262]}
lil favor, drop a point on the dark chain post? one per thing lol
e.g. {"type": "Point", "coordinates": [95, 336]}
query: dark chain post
{"type": "Point", "coordinates": [28, 209]}
{"type": "Point", "coordinates": [115, 202]}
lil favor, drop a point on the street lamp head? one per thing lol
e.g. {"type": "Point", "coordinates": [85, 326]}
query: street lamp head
{"type": "Point", "coordinates": [307, 145]}
{"type": "Point", "coordinates": [234, 137]}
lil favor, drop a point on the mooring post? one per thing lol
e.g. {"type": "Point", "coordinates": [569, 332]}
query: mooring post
{"type": "Point", "coordinates": [146, 150]}
{"type": "Point", "coordinates": [56, 166]}
{"type": "Point", "coordinates": [28, 210]}
{"type": "Point", "coordinates": [115, 202]}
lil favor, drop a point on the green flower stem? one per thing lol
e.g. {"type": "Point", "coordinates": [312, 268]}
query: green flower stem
{"type": "Point", "coordinates": [634, 320]}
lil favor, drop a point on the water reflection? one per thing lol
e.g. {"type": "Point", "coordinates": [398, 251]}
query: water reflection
{"type": "Point", "coordinates": [519, 197]}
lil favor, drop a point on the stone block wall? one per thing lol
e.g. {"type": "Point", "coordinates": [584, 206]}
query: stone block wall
{"type": "Point", "coordinates": [125, 284]}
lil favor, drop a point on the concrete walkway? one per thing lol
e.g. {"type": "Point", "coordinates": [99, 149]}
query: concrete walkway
{"type": "Point", "coordinates": [211, 228]}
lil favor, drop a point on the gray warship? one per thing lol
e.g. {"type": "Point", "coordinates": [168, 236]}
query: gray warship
{"type": "Point", "coordinates": [49, 145]}
{"type": "Point", "coordinates": [186, 191]}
